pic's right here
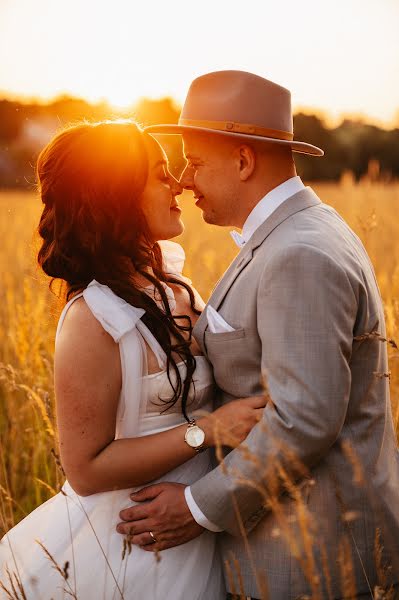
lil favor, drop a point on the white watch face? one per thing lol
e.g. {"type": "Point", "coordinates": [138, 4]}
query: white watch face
{"type": "Point", "coordinates": [195, 437]}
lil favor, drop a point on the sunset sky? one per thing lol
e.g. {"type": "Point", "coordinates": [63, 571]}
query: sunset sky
{"type": "Point", "coordinates": [339, 56]}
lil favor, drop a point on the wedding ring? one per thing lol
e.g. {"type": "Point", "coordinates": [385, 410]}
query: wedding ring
{"type": "Point", "coordinates": [154, 539]}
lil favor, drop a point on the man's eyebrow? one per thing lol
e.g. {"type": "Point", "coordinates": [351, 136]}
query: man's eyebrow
{"type": "Point", "coordinates": [191, 157]}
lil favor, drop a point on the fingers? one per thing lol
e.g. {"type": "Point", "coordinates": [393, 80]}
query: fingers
{"type": "Point", "coordinates": [255, 401]}
{"type": "Point", "coordinates": [125, 529]}
{"type": "Point", "coordinates": [147, 493]}
{"type": "Point", "coordinates": [136, 527]}
{"type": "Point", "coordinates": [170, 539]}
{"type": "Point", "coordinates": [144, 539]}
{"type": "Point", "coordinates": [135, 513]}
{"type": "Point", "coordinates": [147, 496]}
{"type": "Point", "coordinates": [164, 540]}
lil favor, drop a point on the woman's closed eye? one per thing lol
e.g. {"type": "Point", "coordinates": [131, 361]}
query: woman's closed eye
{"type": "Point", "coordinates": [163, 176]}
{"type": "Point", "coordinates": [192, 164]}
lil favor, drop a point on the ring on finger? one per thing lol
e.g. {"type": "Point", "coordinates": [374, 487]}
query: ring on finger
{"type": "Point", "coordinates": [154, 539]}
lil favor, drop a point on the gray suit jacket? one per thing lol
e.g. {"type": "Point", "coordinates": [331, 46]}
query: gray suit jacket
{"type": "Point", "coordinates": [301, 295]}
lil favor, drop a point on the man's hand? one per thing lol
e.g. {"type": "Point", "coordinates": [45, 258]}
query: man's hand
{"type": "Point", "coordinates": [164, 512]}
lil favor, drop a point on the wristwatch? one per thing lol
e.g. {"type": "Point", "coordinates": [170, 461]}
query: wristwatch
{"type": "Point", "coordinates": [195, 436]}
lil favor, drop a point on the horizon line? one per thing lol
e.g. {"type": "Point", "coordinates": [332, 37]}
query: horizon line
{"type": "Point", "coordinates": [323, 114]}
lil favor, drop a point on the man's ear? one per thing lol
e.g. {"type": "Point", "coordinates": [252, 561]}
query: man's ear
{"type": "Point", "coordinates": [247, 161]}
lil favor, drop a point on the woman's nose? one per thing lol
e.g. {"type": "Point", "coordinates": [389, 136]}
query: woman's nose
{"type": "Point", "coordinates": [176, 187]}
{"type": "Point", "coordinates": [186, 179]}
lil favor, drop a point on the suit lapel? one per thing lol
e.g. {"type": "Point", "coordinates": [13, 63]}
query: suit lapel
{"type": "Point", "coordinates": [240, 261]}
{"type": "Point", "coordinates": [296, 203]}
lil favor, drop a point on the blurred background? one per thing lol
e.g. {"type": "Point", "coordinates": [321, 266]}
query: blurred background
{"type": "Point", "coordinates": [65, 61]}
{"type": "Point", "coordinates": [62, 61]}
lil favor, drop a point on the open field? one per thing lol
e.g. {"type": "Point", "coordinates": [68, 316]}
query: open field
{"type": "Point", "coordinates": [28, 317]}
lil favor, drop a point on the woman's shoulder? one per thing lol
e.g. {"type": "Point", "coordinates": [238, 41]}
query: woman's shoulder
{"type": "Point", "coordinates": [99, 307]}
{"type": "Point", "coordinates": [78, 311]}
{"type": "Point", "coordinates": [115, 314]}
{"type": "Point", "coordinates": [77, 322]}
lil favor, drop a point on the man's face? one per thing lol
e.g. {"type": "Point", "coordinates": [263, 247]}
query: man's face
{"type": "Point", "coordinates": [212, 173]}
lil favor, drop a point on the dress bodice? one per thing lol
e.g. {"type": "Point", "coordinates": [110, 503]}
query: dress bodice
{"type": "Point", "coordinates": [142, 404]}
{"type": "Point", "coordinates": [159, 415]}
{"type": "Point", "coordinates": [160, 390]}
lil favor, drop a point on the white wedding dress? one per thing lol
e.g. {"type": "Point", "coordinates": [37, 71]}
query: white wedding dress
{"type": "Point", "coordinates": [79, 530]}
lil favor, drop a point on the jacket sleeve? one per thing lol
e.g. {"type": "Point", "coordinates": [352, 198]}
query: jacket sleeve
{"type": "Point", "coordinates": [306, 314]}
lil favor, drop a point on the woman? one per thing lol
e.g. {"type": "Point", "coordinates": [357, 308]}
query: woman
{"type": "Point", "coordinates": [128, 375]}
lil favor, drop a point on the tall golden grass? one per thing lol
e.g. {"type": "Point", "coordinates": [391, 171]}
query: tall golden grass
{"type": "Point", "coordinates": [29, 470]}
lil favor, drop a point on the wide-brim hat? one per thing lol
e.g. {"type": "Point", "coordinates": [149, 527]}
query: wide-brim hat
{"type": "Point", "coordinates": [239, 104]}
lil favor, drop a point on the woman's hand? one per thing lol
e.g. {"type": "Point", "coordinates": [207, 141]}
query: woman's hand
{"type": "Point", "coordinates": [230, 424]}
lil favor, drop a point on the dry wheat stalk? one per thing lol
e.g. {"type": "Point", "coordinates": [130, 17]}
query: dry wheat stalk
{"type": "Point", "coordinates": [345, 562]}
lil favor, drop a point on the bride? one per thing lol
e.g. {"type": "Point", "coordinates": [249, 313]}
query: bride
{"type": "Point", "coordinates": [133, 392]}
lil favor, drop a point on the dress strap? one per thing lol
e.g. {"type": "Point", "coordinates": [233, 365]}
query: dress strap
{"type": "Point", "coordinates": [153, 343]}
{"type": "Point", "coordinates": [117, 316]}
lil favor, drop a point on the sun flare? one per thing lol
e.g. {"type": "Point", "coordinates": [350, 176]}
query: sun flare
{"type": "Point", "coordinates": [121, 51]}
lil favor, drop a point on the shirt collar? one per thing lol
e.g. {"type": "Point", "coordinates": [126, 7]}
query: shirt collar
{"type": "Point", "coordinates": [265, 207]}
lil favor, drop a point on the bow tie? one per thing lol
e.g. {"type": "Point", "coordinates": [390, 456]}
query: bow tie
{"type": "Point", "coordinates": [238, 238]}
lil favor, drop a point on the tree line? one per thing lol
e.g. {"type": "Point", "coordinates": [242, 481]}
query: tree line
{"type": "Point", "coordinates": [353, 146]}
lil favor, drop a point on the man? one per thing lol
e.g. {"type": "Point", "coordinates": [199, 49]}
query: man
{"type": "Point", "coordinates": [309, 504]}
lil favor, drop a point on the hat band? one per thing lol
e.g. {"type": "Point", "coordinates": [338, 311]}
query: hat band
{"type": "Point", "coordinates": [239, 128]}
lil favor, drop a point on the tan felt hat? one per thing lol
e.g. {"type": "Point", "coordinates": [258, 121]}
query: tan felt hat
{"type": "Point", "coordinates": [240, 104]}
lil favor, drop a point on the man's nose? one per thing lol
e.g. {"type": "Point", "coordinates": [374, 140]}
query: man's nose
{"type": "Point", "coordinates": [186, 179]}
{"type": "Point", "coordinates": [175, 186]}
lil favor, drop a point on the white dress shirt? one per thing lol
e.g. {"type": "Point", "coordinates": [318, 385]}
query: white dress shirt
{"type": "Point", "coordinates": [265, 207]}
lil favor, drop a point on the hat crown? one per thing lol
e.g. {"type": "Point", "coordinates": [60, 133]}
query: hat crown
{"type": "Point", "coordinates": [239, 97]}
{"type": "Point", "coordinates": [241, 104]}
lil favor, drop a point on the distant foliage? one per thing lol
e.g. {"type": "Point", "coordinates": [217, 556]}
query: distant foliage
{"type": "Point", "coordinates": [26, 128]}
{"type": "Point", "coordinates": [352, 146]}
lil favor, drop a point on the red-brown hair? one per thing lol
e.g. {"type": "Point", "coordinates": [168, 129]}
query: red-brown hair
{"type": "Point", "coordinates": [90, 178]}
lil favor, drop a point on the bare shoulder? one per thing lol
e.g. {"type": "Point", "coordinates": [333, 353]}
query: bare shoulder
{"type": "Point", "coordinates": [85, 354]}
{"type": "Point", "coordinates": [80, 323]}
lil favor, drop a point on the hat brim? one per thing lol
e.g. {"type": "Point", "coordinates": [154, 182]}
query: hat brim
{"type": "Point", "coordinates": [296, 146]}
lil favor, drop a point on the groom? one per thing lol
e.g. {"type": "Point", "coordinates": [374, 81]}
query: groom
{"type": "Point", "coordinates": [309, 504]}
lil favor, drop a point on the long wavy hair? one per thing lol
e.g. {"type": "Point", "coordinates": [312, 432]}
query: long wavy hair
{"type": "Point", "coordinates": [90, 178]}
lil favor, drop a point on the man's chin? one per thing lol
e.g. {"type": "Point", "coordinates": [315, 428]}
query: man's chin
{"type": "Point", "coordinates": [209, 218]}
{"type": "Point", "coordinates": [213, 220]}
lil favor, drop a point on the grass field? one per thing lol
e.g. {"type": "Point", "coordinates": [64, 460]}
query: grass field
{"type": "Point", "coordinates": [29, 473]}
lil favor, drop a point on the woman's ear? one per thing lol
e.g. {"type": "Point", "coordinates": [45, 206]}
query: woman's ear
{"type": "Point", "coordinates": [247, 161]}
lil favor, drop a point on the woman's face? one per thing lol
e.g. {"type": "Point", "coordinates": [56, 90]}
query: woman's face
{"type": "Point", "coordinates": [158, 201]}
